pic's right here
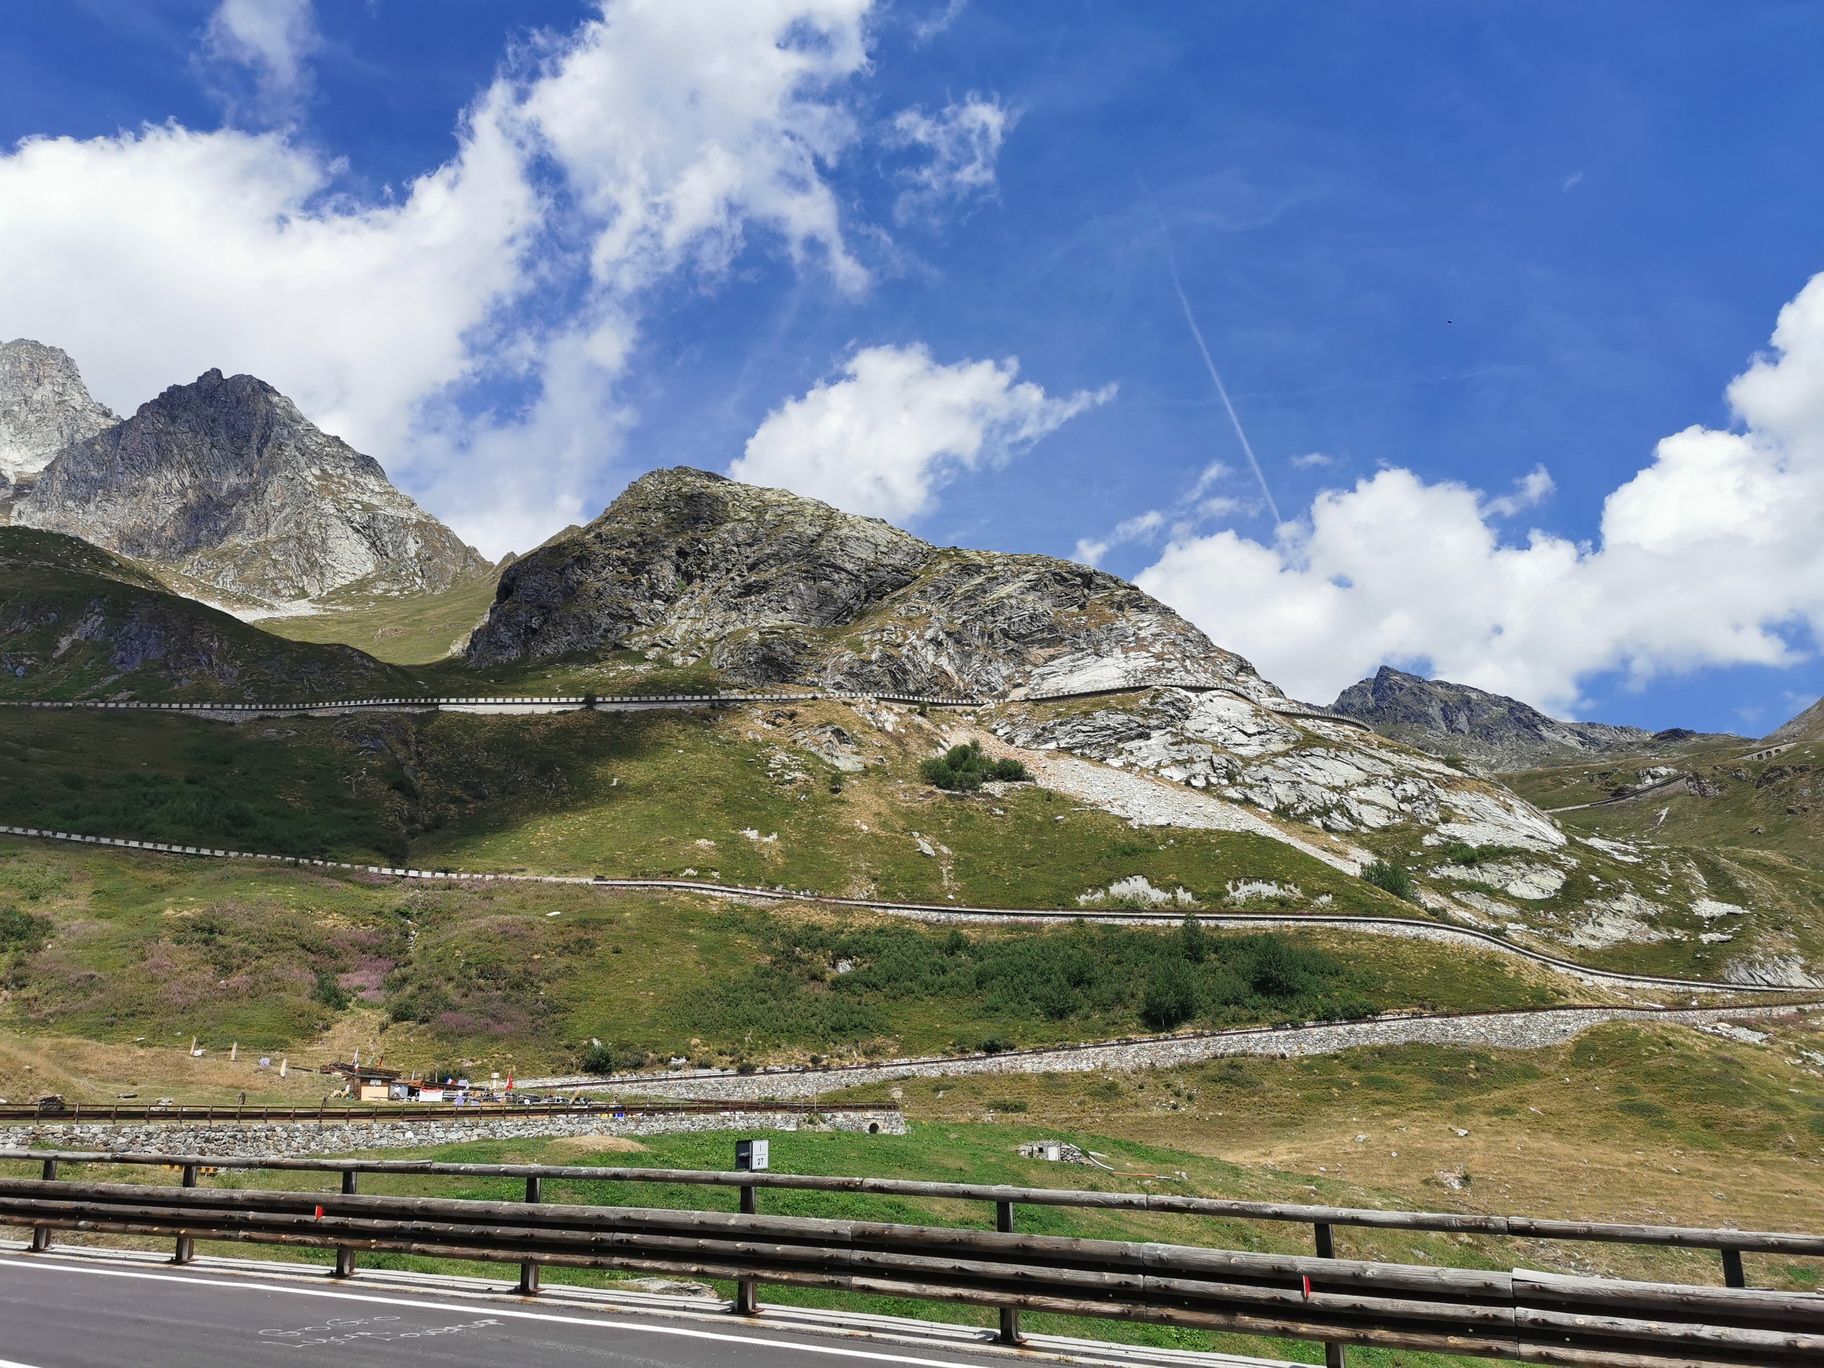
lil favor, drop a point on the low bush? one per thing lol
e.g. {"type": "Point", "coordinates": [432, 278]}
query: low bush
{"type": "Point", "coordinates": [1394, 878]}
{"type": "Point", "coordinates": [963, 769]}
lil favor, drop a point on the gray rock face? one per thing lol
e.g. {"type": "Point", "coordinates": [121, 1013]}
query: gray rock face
{"type": "Point", "coordinates": [770, 586]}
{"type": "Point", "coordinates": [225, 484]}
{"type": "Point", "coordinates": [1492, 732]}
{"type": "Point", "coordinates": [43, 408]}
{"type": "Point", "coordinates": [1808, 725]}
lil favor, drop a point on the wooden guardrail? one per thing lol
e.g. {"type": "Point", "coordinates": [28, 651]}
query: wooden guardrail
{"type": "Point", "coordinates": [1531, 1316]}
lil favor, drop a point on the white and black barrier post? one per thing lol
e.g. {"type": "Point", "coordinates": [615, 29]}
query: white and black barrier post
{"type": "Point", "coordinates": [751, 1156]}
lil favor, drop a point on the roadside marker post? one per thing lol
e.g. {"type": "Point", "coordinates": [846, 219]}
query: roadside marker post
{"type": "Point", "coordinates": [751, 1156]}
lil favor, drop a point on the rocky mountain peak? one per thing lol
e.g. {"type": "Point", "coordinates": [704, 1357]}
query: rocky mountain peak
{"type": "Point", "coordinates": [44, 406]}
{"type": "Point", "coordinates": [771, 586]}
{"type": "Point", "coordinates": [1807, 726]}
{"type": "Point", "coordinates": [223, 484]}
{"type": "Point", "coordinates": [1489, 730]}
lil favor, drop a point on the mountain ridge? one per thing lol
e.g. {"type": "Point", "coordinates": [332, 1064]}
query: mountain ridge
{"type": "Point", "coordinates": [772, 587]}
{"type": "Point", "coordinates": [1488, 730]}
{"type": "Point", "coordinates": [223, 485]}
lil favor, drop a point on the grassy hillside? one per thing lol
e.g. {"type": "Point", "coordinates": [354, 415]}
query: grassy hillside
{"type": "Point", "coordinates": [1753, 830]}
{"type": "Point", "coordinates": [108, 946]}
{"type": "Point", "coordinates": [1567, 1132]}
{"type": "Point", "coordinates": [78, 622]}
{"type": "Point", "coordinates": [404, 629]}
{"type": "Point", "coordinates": [740, 795]}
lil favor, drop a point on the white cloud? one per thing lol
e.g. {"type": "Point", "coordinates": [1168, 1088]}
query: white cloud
{"type": "Point", "coordinates": [660, 136]}
{"type": "Point", "coordinates": [883, 437]}
{"type": "Point", "coordinates": [962, 142]}
{"type": "Point", "coordinates": [1708, 556]}
{"type": "Point", "coordinates": [1140, 527]}
{"type": "Point", "coordinates": [1529, 491]}
{"type": "Point", "coordinates": [1313, 460]}
{"type": "Point", "coordinates": [1196, 507]}
{"type": "Point", "coordinates": [937, 20]}
{"type": "Point", "coordinates": [160, 253]}
{"type": "Point", "coordinates": [679, 125]}
{"type": "Point", "coordinates": [272, 41]}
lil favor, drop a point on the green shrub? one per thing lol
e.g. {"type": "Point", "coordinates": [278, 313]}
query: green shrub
{"type": "Point", "coordinates": [963, 769]}
{"type": "Point", "coordinates": [1171, 997]}
{"type": "Point", "coordinates": [1463, 853]}
{"type": "Point", "coordinates": [1394, 878]}
{"type": "Point", "coordinates": [597, 1059]}
{"type": "Point", "coordinates": [22, 933]}
{"type": "Point", "coordinates": [1193, 942]}
{"type": "Point", "coordinates": [330, 993]}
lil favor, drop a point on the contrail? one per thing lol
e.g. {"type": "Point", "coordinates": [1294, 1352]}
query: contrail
{"type": "Point", "coordinates": [1171, 261]}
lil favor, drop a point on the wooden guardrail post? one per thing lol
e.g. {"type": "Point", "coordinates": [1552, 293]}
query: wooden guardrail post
{"type": "Point", "coordinates": [1326, 1249]}
{"type": "Point", "coordinates": [41, 1235]}
{"type": "Point", "coordinates": [345, 1257]}
{"type": "Point", "coordinates": [1010, 1315]}
{"type": "Point", "coordinates": [528, 1271]}
{"type": "Point", "coordinates": [186, 1247]}
{"type": "Point", "coordinates": [1733, 1275]}
{"type": "Point", "coordinates": [747, 1300]}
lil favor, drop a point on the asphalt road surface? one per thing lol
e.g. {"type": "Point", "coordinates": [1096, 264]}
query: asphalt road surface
{"type": "Point", "coordinates": [56, 1314]}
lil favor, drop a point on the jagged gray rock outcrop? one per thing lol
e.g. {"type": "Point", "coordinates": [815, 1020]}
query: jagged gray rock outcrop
{"type": "Point", "coordinates": [1489, 731]}
{"type": "Point", "coordinates": [1807, 726]}
{"type": "Point", "coordinates": [769, 586]}
{"type": "Point", "coordinates": [44, 406]}
{"type": "Point", "coordinates": [226, 488]}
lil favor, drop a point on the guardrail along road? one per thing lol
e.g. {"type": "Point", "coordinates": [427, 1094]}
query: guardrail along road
{"type": "Point", "coordinates": [1536, 1317]}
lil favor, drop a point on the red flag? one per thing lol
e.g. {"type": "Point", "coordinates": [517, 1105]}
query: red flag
{"type": "Point", "coordinates": [1307, 1278]}
{"type": "Point", "coordinates": [509, 1081]}
{"type": "Point", "coordinates": [320, 1217]}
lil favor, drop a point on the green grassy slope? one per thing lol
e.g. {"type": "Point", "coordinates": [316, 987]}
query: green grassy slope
{"type": "Point", "coordinates": [659, 794]}
{"type": "Point", "coordinates": [404, 629]}
{"type": "Point", "coordinates": [1753, 829]}
{"type": "Point", "coordinates": [77, 622]}
{"type": "Point", "coordinates": [114, 947]}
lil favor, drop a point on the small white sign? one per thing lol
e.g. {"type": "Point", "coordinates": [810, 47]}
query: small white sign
{"type": "Point", "coordinates": [751, 1156]}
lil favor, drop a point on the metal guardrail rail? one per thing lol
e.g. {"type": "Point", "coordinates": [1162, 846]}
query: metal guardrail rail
{"type": "Point", "coordinates": [110, 1113]}
{"type": "Point", "coordinates": [1287, 707]}
{"type": "Point", "coordinates": [1530, 1316]}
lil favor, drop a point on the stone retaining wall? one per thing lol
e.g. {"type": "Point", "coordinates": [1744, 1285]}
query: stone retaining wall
{"type": "Point", "coordinates": [281, 1140]}
{"type": "Point", "coordinates": [1504, 1031]}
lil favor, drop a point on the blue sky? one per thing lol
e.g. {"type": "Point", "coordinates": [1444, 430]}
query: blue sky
{"type": "Point", "coordinates": [1462, 268]}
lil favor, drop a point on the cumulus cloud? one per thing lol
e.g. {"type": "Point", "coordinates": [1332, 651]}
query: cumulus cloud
{"type": "Point", "coordinates": [663, 138]}
{"type": "Point", "coordinates": [961, 144]}
{"type": "Point", "coordinates": [680, 125]}
{"type": "Point", "coordinates": [271, 43]}
{"type": "Point", "coordinates": [1710, 555]}
{"type": "Point", "coordinates": [159, 253]}
{"type": "Point", "coordinates": [883, 436]}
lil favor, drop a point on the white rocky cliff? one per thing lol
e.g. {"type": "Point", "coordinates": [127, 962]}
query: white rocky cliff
{"type": "Point", "coordinates": [44, 407]}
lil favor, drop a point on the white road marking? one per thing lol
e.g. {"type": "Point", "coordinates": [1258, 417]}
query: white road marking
{"type": "Point", "coordinates": [604, 1322]}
